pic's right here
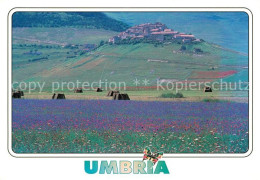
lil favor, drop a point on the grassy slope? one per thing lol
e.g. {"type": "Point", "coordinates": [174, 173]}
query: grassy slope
{"type": "Point", "coordinates": [113, 62]}
{"type": "Point", "coordinates": [67, 35]}
{"type": "Point", "coordinates": [119, 63]}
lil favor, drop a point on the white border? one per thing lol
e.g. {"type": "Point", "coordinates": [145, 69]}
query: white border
{"type": "Point", "coordinates": [128, 155]}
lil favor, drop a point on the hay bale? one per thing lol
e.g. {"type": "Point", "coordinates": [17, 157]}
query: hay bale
{"type": "Point", "coordinates": [61, 96]}
{"type": "Point", "coordinates": [118, 96]}
{"type": "Point", "coordinates": [16, 95]}
{"type": "Point", "coordinates": [78, 90]}
{"type": "Point", "coordinates": [21, 92]}
{"type": "Point", "coordinates": [98, 90]}
{"type": "Point", "coordinates": [207, 89]}
{"type": "Point", "coordinates": [125, 97]}
{"type": "Point", "coordinates": [111, 93]}
{"type": "Point", "coordinates": [58, 96]}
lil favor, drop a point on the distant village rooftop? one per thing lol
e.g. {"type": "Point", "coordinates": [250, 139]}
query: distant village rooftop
{"type": "Point", "coordinates": [157, 31]}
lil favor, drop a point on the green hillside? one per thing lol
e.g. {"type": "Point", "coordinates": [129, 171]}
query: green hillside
{"type": "Point", "coordinates": [122, 63]}
{"type": "Point", "coordinates": [60, 35]}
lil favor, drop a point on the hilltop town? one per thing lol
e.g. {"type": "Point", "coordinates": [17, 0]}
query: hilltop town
{"type": "Point", "coordinates": [154, 32]}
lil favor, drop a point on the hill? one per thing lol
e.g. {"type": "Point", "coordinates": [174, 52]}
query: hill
{"type": "Point", "coordinates": [228, 29]}
{"type": "Point", "coordinates": [68, 54]}
{"type": "Point", "coordinates": [90, 20]}
{"type": "Point", "coordinates": [125, 63]}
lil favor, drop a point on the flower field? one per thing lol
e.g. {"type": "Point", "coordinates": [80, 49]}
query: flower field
{"type": "Point", "coordinates": [105, 126]}
{"type": "Point", "coordinates": [211, 74]}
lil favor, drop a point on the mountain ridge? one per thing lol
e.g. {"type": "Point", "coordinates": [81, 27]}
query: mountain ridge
{"type": "Point", "coordinates": [91, 20]}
